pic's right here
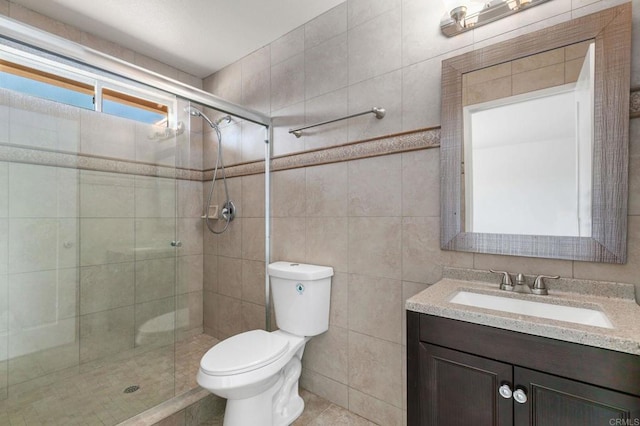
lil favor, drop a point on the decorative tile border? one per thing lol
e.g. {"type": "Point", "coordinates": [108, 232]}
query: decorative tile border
{"type": "Point", "coordinates": [410, 141]}
{"type": "Point", "coordinates": [403, 142]}
{"type": "Point", "coordinates": [16, 154]}
{"type": "Point", "coordinates": [385, 145]}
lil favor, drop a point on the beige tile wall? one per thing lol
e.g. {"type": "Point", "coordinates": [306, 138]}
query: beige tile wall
{"type": "Point", "coordinates": [234, 261]}
{"type": "Point", "coordinates": [376, 220]}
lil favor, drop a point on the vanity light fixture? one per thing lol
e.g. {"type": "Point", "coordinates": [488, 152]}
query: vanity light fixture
{"type": "Point", "coordinates": [464, 15]}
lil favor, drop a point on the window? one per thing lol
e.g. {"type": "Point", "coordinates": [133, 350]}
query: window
{"type": "Point", "coordinates": [124, 105]}
{"type": "Point", "coordinates": [81, 89]}
{"type": "Point", "coordinates": [45, 85]}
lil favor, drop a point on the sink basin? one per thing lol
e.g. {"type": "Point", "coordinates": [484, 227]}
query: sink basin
{"type": "Point", "coordinates": [572, 314]}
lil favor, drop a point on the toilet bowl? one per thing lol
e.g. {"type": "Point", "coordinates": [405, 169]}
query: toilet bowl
{"type": "Point", "coordinates": [258, 371]}
{"type": "Point", "coordinates": [248, 372]}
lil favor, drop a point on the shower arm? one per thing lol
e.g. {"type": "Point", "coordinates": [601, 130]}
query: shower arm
{"type": "Point", "coordinates": [379, 112]}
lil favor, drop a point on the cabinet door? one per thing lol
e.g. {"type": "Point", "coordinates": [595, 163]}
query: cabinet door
{"type": "Point", "coordinates": [553, 401]}
{"type": "Point", "coordinates": [462, 389]}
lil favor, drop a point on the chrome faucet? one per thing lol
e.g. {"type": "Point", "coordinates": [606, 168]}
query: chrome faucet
{"type": "Point", "coordinates": [521, 286]}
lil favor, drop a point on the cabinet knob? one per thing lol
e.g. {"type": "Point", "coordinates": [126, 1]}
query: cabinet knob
{"type": "Point", "coordinates": [176, 243]}
{"type": "Point", "coordinates": [520, 396]}
{"type": "Point", "coordinates": [505, 391]}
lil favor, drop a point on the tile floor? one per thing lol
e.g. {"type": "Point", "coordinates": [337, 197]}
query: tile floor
{"type": "Point", "coordinates": [320, 412]}
{"type": "Point", "coordinates": [317, 412]}
{"type": "Point", "coordinates": [92, 394]}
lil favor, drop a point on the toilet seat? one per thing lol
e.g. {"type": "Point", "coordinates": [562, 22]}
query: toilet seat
{"type": "Point", "coordinates": [244, 352]}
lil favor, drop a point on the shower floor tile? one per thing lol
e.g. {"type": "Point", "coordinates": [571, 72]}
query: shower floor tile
{"type": "Point", "coordinates": [93, 394]}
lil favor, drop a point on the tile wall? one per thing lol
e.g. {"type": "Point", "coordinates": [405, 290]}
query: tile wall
{"type": "Point", "coordinates": [375, 220]}
{"type": "Point", "coordinates": [234, 261]}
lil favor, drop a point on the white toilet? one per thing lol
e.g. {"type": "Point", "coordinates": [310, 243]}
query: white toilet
{"type": "Point", "coordinates": [257, 371]}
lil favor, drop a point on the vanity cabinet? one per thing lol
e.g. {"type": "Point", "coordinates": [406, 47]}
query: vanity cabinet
{"type": "Point", "coordinates": [460, 373]}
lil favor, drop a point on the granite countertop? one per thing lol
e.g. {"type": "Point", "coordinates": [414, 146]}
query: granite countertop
{"type": "Point", "coordinates": [616, 300]}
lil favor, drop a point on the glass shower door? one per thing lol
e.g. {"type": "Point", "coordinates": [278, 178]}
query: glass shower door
{"type": "Point", "coordinates": [88, 271]}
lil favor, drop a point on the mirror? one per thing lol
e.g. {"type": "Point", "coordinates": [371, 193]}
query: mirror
{"type": "Point", "coordinates": [503, 107]}
{"type": "Point", "coordinates": [534, 143]}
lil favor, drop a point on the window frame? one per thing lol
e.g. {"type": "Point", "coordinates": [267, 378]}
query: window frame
{"type": "Point", "coordinates": [47, 71]}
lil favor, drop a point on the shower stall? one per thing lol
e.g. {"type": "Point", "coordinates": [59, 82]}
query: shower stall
{"type": "Point", "coordinates": [102, 223]}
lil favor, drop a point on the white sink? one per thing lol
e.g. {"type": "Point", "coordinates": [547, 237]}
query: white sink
{"type": "Point", "coordinates": [583, 316]}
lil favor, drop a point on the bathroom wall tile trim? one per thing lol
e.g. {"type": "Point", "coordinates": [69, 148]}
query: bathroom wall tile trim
{"type": "Point", "coordinates": [86, 162]}
{"type": "Point", "coordinates": [391, 144]}
{"type": "Point", "coordinates": [385, 145]}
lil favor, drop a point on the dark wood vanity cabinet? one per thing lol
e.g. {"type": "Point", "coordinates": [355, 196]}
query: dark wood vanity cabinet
{"type": "Point", "coordinates": [461, 389]}
{"type": "Point", "coordinates": [455, 371]}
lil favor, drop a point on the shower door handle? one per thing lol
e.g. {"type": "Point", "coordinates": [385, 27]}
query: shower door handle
{"type": "Point", "coordinates": [177, 243]}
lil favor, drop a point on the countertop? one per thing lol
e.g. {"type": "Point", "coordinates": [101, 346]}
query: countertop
{"type": "Point", "coordinates": [614, 299]}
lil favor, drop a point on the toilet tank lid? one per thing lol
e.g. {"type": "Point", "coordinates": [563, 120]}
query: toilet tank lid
{"type": "Point", "coordinates": [299, 271]}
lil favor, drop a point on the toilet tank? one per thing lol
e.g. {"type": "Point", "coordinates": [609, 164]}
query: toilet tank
{"type": "Point", "coordinates": [301, 295]}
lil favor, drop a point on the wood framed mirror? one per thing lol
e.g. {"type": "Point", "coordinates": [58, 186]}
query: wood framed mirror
{"type": "Point", "coordinates": [503, 187]}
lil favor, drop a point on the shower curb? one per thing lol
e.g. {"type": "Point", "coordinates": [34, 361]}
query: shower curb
{"type": "Point", "coordinates": [170, 407]}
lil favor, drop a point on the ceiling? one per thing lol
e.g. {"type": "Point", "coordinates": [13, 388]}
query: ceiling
{"type": "Point", "coordinates": [196, 36]}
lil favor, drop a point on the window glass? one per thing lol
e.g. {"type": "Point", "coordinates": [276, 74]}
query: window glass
{"type": "Point", "coordinates": [127, 106]}
{"type": "Point", "coordinates": [44, 85]}
{"type": "Point", "coordinates": [131, 112]}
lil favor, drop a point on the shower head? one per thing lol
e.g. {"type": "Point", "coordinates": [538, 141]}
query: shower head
{"type": "Point", "coordinates": [197, 113]}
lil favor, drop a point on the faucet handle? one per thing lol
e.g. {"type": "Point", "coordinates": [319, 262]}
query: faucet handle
{"type": "Point", "coordinates": [538, 285]}
{"type": "Point", "coordinates": [506, 283]}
